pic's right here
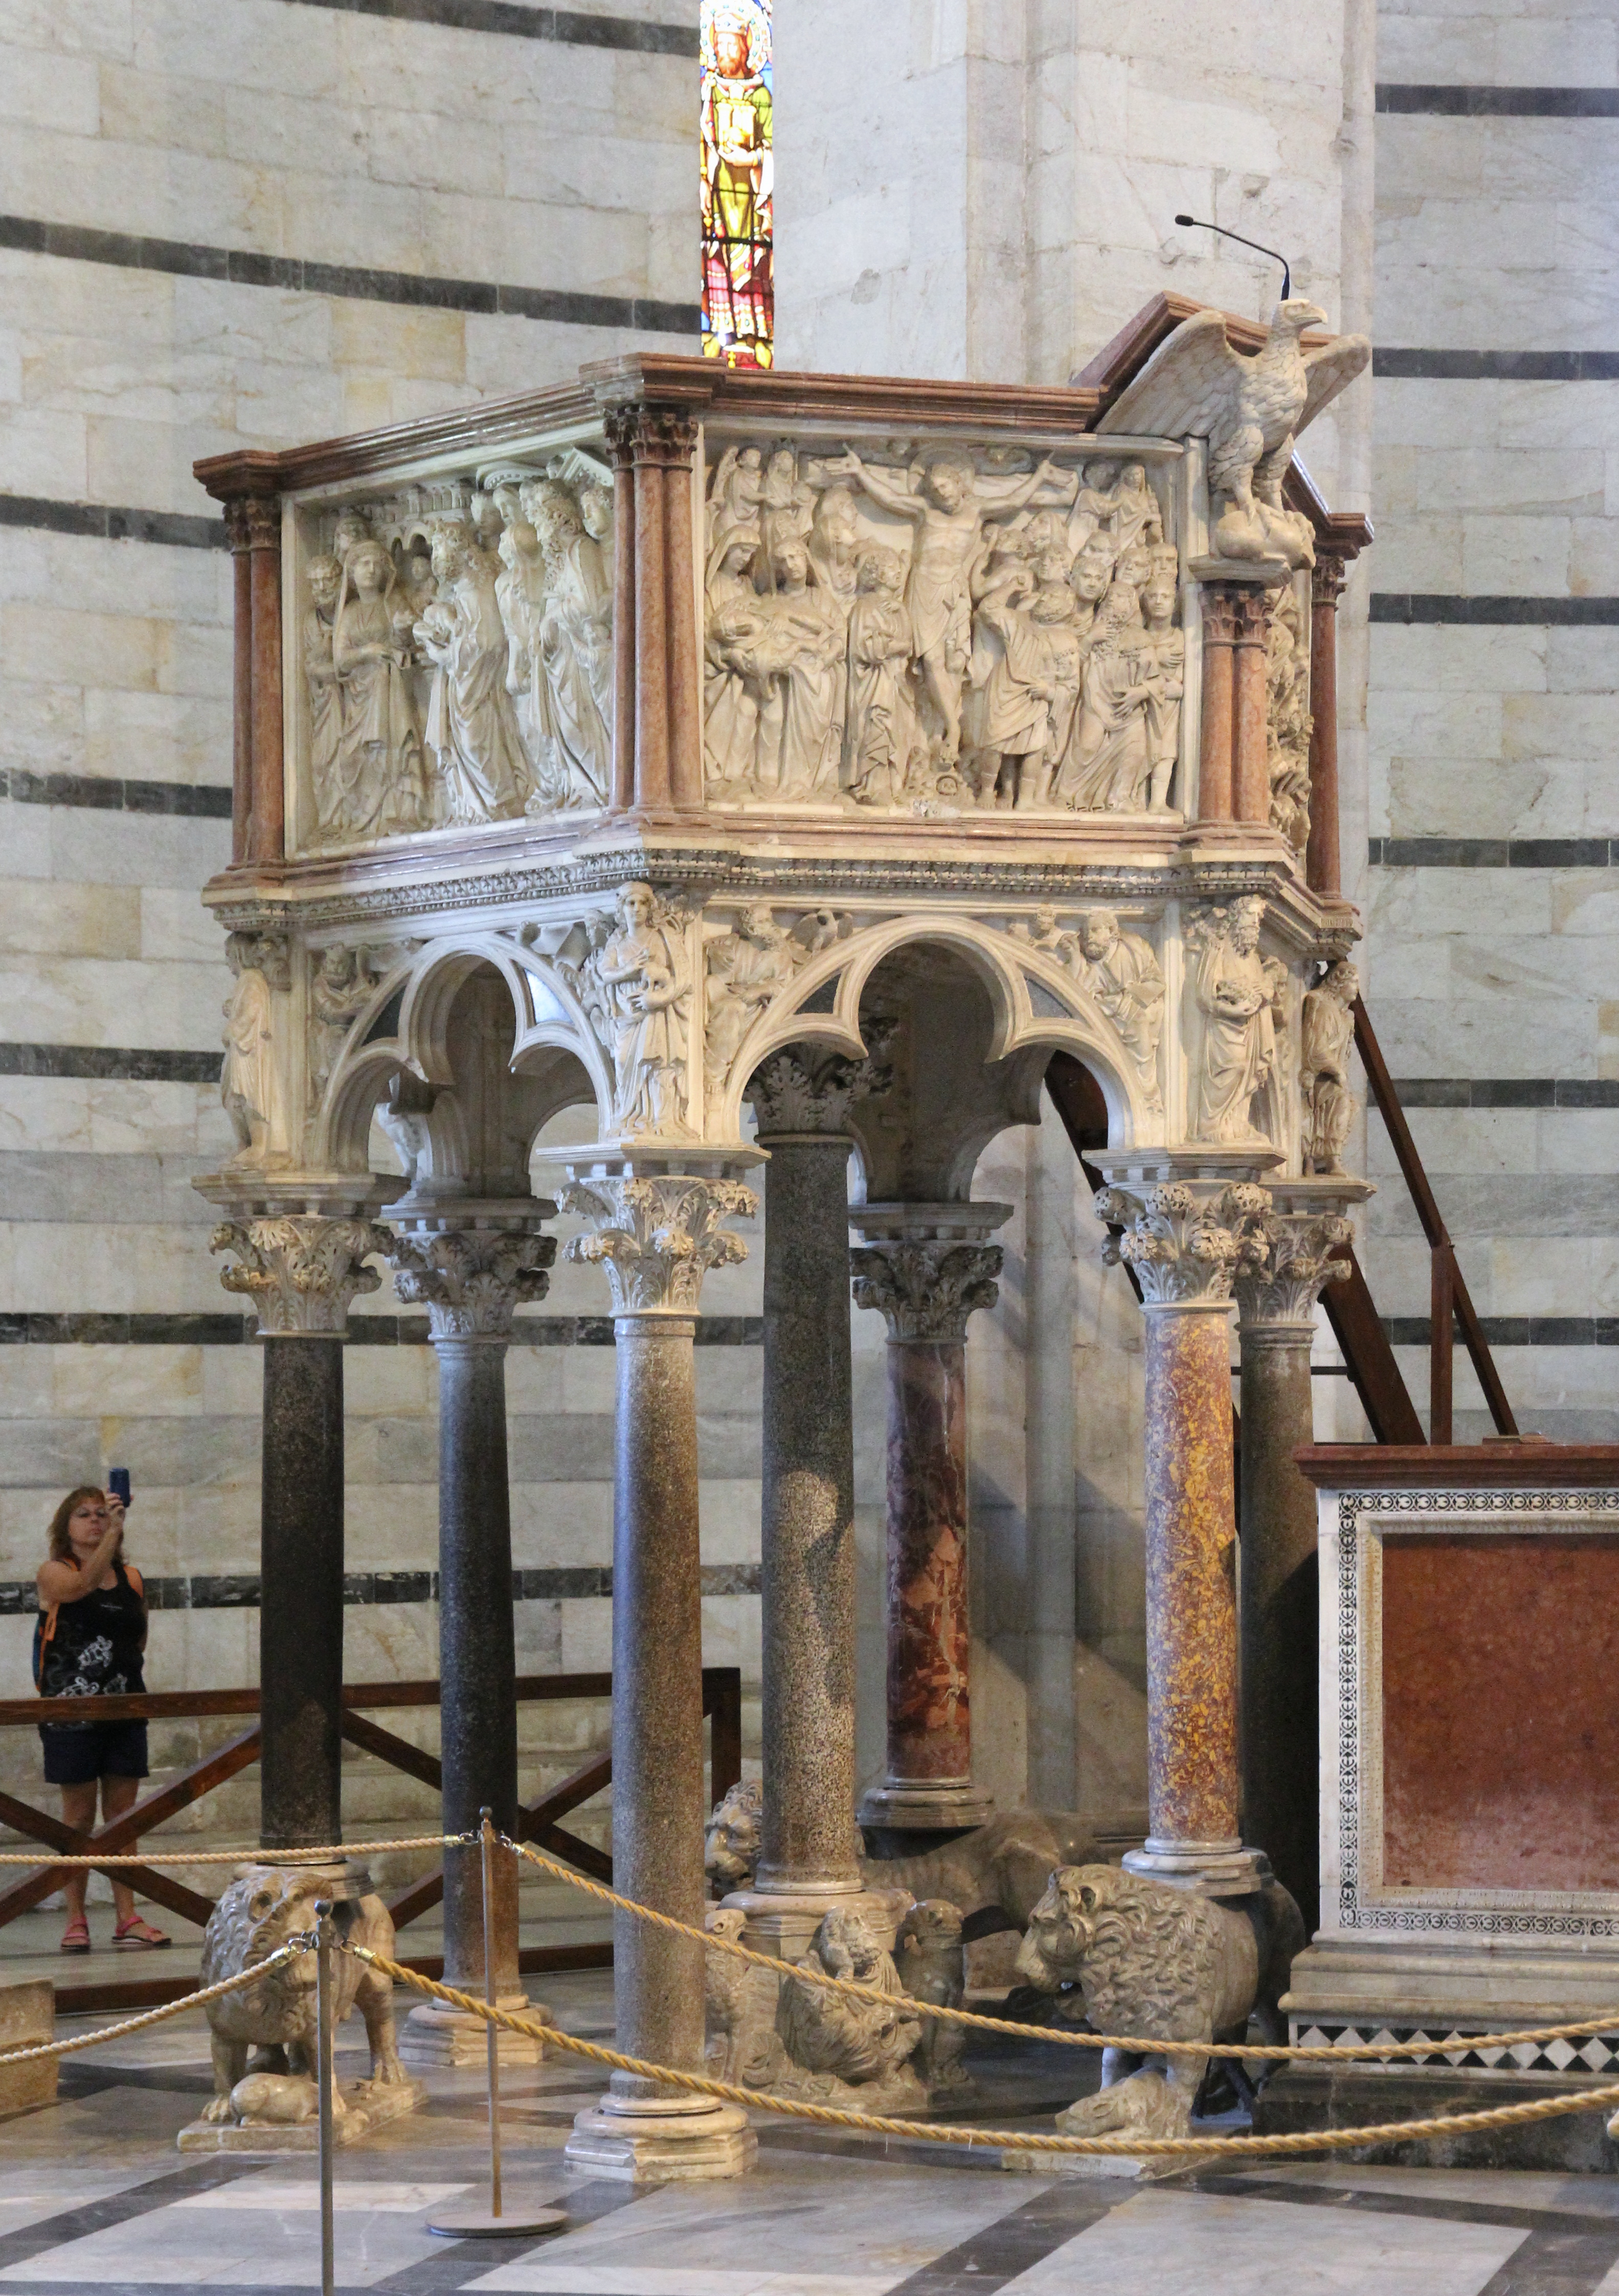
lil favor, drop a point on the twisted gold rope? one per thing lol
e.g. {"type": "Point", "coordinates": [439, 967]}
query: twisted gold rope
{"type": "Point", "coordinates": [249, 1976]}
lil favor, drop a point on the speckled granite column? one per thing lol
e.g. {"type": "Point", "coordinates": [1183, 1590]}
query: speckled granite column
{"type": "Point", "coordinates": [301, 1273]}
{"type": "Point", "coordinates": [657, 1234]}
{"type": "Point", "coordinates": [1186, 1238]}
{"type": "Point", "coordinates": [469, 1264]}
{"type": "Point", "coordinates": [926, 1267]}
{"type": "Point", "coordinates": [1279, 1705]}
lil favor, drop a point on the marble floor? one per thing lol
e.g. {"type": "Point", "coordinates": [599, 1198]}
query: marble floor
{"type": "Point", "coordinates": [93, 2195]}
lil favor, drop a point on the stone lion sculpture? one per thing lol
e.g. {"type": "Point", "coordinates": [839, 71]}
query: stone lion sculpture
{"type": "Point", "coordinates": [731, 1850]}
{"type": "Point", "coordinates": [1166, 1964]}
{"type": "Point", "coordinates": [262, 1908]}
{"type": "Point", "coordinates": [931, 1961]}
{"type": "Point", "coordinates": [863, 2044]}
{"type": "Point", "coordinates": [1001, 1868]}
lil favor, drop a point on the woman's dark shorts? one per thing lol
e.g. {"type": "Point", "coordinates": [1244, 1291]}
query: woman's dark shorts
{"type": "Point", "coordinates": [78, 1753]}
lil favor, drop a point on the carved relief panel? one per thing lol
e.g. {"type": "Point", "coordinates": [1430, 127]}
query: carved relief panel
{"type": "Point", "coordinates": [918, 626]}
{"type": "Point", "coordinates": [454, 651]}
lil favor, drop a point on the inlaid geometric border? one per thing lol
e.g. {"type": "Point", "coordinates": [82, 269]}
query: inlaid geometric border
{"type": "Point", "coordinates": [1364, 1903]}
{"type": "Point", "coordinates": [1460, 2052]}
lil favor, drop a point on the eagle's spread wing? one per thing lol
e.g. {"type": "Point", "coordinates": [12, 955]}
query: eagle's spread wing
{"type": "Point", "coordinates": [1187, 387]}
{"type": "Point", "coordinates": [1330, 370]}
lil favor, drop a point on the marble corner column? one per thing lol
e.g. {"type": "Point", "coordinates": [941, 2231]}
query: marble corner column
{"type": "Point", "coordinates": [1216, 757]}
{"type": "Point", "coordinates": [1250, 705]}
{"type": "Point", "coordinates": [1186, 1236]}
{"type": "Point", "coordinates": [301, 1271]}
{"type": "Point", "coordinates": [927, 1267]}
{"type": "Point", "coordinates": [657, 756]}
{"type": "Point", "coordinates": [1323, 863]}
{"type": "Point", "coordinates": [809, 1860]}
{"type": "Point", "coordinates": [470, 1263]}
{"type": "Point", "coordinates": [1276, 1298]}
{"type": "Point", "coordinates": [656, 1232]}
{"type": "Point", "coordinates": [1233, 771]}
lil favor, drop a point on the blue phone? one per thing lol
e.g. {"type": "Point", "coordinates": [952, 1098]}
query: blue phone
{"type": "Point", "coordinates": [118, 1483]}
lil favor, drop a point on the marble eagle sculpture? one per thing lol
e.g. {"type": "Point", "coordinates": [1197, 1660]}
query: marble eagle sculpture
{"type": "Point", "coordinates": [1250, 407]}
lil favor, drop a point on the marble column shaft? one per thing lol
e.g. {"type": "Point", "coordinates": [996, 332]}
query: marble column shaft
{"type": "Point", "coordinates": [1214, 769]}
{"type": "Point", "coordinates": [1185, 1238]}
{"type": "Point", "coordinates": [1251, 707]}
{"type": "Point", "coordinates": [655, 646]}
{"type": "Point", "coordinates": [1323, 861]}
{"type": "Point", "coordinates": [301, 1273]}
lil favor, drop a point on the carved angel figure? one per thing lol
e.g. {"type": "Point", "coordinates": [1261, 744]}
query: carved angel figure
{"type": "Point", "coordinates": [1328, 1034]}
{"type": "Point", "coordinates": [1250, 409]}
{"type": "Point", "coordinates": [1237, 992]}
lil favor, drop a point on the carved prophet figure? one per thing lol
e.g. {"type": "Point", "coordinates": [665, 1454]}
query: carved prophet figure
{"type": "Point", "coordinates": [1237, 992]}
{"type": "Point", "coordinates": [1328, 1034]}
{"type": "Point", "coordinates": [249, 1081]}
{"type": "Point", "coordinates": [1122, 976]}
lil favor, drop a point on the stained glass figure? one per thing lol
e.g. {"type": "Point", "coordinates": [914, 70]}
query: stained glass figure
{"type": "Point", "coordinates": [738, 279]}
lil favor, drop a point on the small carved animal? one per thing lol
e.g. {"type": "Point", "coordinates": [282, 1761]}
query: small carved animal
{"type": "Point", "coordinates": [1162, 1962]}
{"type": "Point", "coordinates": [740, 2008]}
{"type": "Point", "coordinates": [261, 1909]}
{"type": "Point", "coordinates": [731, 1852]}
{"type": "Point", "coordinates": [931, 1962]}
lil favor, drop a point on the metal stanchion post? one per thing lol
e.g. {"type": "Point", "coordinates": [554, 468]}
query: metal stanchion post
{"type": "Point", "coordinates": [324, 2076]}
{"type": "Point", "coordinates": [472, 2223]}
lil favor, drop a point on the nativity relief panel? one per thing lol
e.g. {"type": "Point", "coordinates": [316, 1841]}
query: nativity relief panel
{"type": "Point", "coordinates": [456, 642]}
{"type": "Point", "coordinates": [936, 628]}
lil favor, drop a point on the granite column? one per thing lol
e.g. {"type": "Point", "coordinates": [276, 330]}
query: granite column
{"type": "Point", "coordinates": [927, 1267]}
{"type": "Point", "coordinates": [301, 1271]}
{"type": "Point", "coordinates": [656, 1232]}
{"type": "Point", "coordinates": [470, 1264]}
{"type": "Point", "coordinates": [1276, 1298]}
{"type": "Point", "coordinates": [1185, 1238]}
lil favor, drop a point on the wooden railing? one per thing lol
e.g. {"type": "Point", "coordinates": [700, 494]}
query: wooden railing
{"type": "Point", "coordinates": [538, 1822]}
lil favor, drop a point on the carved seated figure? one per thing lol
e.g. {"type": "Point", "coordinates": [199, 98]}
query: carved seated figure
{"type": "Point", "coordinates": [855, 2044]}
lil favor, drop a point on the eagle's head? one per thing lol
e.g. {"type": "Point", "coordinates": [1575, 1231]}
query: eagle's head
{"type": "Point", "coordinates": [1293, 317]}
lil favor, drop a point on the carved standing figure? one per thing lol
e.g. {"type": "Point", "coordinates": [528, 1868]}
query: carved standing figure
{"type": "Point", "coordinates": [376, 778]}
{"type": "Point", "coordinates": [1166, 647]}
{"type": "Point", "coordinates": [643, 993]}
{"type": "Point", "coordinates": [733, 671]}
{"type": "Point", "coordinates": [1111, 759]}
{"type": "Point", "coordinates": [471, 726]}
{"type": "Point", "coordinates": [878, 725]}
{"type": "Point", "coordinates": [1122, 974]}
{"type": "Point", "coordinates": [573, 650]}
{"type": "Point", "coordinates": [250, 1082]}
{"type": "Point", "coordinates": [325, 578]}
{"type": "Point", "coordinates": [745, 969]}
{"type": "Point", "coordinates": [1328, 1034]}
{"type": "Point", "coordinates": [808, 627]}
{"type": "Point", "coordinates": [1237, 991]}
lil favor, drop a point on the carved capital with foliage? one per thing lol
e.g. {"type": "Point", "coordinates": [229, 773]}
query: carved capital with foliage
{"type": "Point", "coordinates": [658, 1236]}
{"type": "Point", "coordinates": [1186, 1239]}
{"type": "Point", "coordinates": [926, 1288]}
{"type": "Point", "coordinates": [301, 1271]}
{"type": "Point", "coordinates": [472, 1280]}
{"type": "Point", "coordinates": [1279, 1289]}
{"type": "Point", "coordinates": [795, 1091]}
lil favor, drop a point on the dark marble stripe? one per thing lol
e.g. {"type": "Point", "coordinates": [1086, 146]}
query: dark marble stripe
{"type": "Point", "coordinates": [369, 1589]}
{"type": "Point", "coordinates": [1517, 1331]}
{"type": "Point", "coordinates": [129, 1063]}
{"type": "Point", "coordinates": [1019, 2240]}
{"type": "Point", "coordinates": [29, 2240]}
{"type": "Point", "coordinates": [1492, 852]}
{"type": "Point", "coordinates": [1498, 103]}
{"type": "Point", "coordinates": [112, 523]}
{"type": "Point", "coordinates": [1427, 607]}
{"type": "Point", "coordinates": [107, 793]}
{"type": "Point", "coordinates": [565, 25]}
{"type": "Point", "coordinates": [1382, 2202]}
{"type": "Point", "coordinates": [1508, 1091]}
{"type": "Point", "coordinates": [1419, 366]}
{"type": "Point", "coordinates": [240, 266]}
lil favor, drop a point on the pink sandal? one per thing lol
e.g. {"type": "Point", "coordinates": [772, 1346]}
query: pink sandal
{"type": "Point", "coordinates": [76, 1936]}
{"type": "Point", "coordinates": [136, 1931]}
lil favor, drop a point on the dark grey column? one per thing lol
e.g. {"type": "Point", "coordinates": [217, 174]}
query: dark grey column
{"type": "Point", "coordinates": [1278, 1621]}
{"type": "Point", "coordinates": [658, 1233]}
{"type": "Point", "coordinates": [470, 1263]}
{"type": "Point", "coordinates": [301, 1271]}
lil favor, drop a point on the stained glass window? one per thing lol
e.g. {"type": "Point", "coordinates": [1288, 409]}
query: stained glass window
{"type": "Point", "coordinates": [738, 279]}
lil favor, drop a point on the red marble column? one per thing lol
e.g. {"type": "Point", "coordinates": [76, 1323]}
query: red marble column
{"type": "Point", "coordinates": [241, 709]}
{"type": "Point", "coordinates": [655, 642]}
{"type": "Point", "coordinates": [1323, 864]}
{"type": "Point", "coordinates": [1215, 764]}
{"type": "Point", "coordinates": [926, 1267]}
{"type": "Point", "coordinates": [1251, 707]}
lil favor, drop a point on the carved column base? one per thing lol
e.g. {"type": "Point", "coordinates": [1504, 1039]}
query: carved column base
{"type": "Point", "coordinates": [784, 1921]}
{"type": "Point", "coordinates": [926, 1808]}
{"type": "Point", "coordinates": [435, 2034]}
{"type": "Point", "coordinates": [661, 2140]}
{"type": "Point", "coordinates": [1211, 1869]}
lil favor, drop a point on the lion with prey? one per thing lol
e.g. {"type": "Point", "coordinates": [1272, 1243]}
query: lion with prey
{"type": "Point", "coordinates": [1164, 1964]}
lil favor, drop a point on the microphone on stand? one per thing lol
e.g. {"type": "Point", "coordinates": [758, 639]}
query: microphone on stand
{"type": "Point", "coordinates": [1197, 224]}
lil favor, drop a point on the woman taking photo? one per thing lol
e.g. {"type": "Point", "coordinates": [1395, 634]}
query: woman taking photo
{"type": "Point", "coordinates": [91, 1635]}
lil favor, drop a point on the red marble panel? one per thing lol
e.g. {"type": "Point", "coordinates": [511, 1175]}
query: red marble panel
{"type": "Point", "coordinates": [1501, 1711]}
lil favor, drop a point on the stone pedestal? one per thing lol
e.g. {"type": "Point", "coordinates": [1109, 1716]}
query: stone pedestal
{"type": "Point", "coordinates": [1276, 1327]}
{"type": "Point", "coordinates": [927, 1267]}
{"type": "Point", "coordinates": [470, 1263]}
{"type": "Point", "coordinates": [28, 2019]}
{"type": "Point", "coordinates": [657, 1234]}
{"type": "Point", "coordinates": [1185, 1236]}
{"type": "Point", "coordinates": [301, 1271]}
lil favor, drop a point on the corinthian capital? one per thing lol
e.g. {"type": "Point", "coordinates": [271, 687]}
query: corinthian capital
{"type": "Point", "coordinates": [471, 1279]}
{"type": "Point", "coordinates": [1187, 1240]}
{"type": "Point", "coordinates": [301, 1271]}
{"type": "Point", "coordinates": [649, 434]}
{"type": "Point", "coordinates": [658, 1236]}
{"type": "Point", "coordinates": [926, 1287]}
{"type": "Point", "coordinates": [793, 1092]}
{"type": "Point", "coordinates": [1280, 1286]}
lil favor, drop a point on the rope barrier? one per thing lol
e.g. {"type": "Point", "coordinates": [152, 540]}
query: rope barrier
{"type": "Point", "coordinates": [1138, 2045]}
{"type": "Point", "coordinates": [289, 1951]}
{"type": "Point", "coordinates": [1595, 2100]}
{"type": "Point", "coordinates": [332, 1854]}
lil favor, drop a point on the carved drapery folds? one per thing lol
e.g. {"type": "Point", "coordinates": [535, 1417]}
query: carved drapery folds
{"type": "Point", "coordinates": [896, 628]}
{"type": "Point", "coordinates": [456, 646]}
{"type": "Point", "coordinates": [472, 1280]}
{"type": "Point", "coordinates": [1187, 1240]}
{"type": "Point", "coordinates": [658, 1236]}
{"type": "Point", "coordinates": [926, 1288]}
{"type": "Point", "coordinates": [1240, 999]}
{"type": "Point", "coordinates": [1327, 1037]}
{"type": "Point", "coordinates": [301, 1271]}
{"type": "Point", "coordinates": [747, 966]}
{"type": "Point", "coordinates": [1119, 972]}
{"type": "Point", "coordinates": [252, 1084]}
{"type": "Point", "coordinates": [635, 983]}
